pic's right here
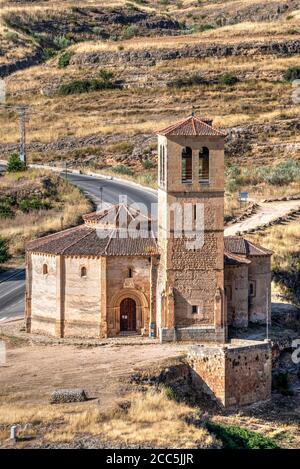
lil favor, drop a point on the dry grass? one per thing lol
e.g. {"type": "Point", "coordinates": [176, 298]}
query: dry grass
{"type": "Point", "coordinates": [232, 206]}
{"type": "Point", "coordinates": [237, 33]}
{"type": "Point", "coordinates": [149, 419]}
{"type": "Point", "coordinates": [13, 414]}
{"type": "Point", "coordinates": [68, 203]}
{"type": "Point", "coordinates": [282, 239]}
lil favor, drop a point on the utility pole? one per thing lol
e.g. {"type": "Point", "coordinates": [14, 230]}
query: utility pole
{"type": "Point", "coordinates": [22, 114]}
{"type": "Point", "coordinates": [22, 110]}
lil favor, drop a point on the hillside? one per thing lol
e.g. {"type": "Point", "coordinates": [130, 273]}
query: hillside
{"type": "Point", "coordinates": [35, 203]}
{"type": "Point", "coordinates": [109, 74]}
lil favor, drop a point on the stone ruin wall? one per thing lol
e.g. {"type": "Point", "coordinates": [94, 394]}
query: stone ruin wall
{"type": "Point", "coordinates": [234, 375]}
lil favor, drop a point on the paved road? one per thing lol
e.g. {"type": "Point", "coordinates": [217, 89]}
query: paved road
{"type": "Point", "coordinates": [12, 282]}
{"type": "Point", "coordinates": [12, 291]}
{"type": "Point", "coordinates": [112, 190]}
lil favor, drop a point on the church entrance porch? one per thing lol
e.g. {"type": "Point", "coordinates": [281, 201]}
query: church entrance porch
{"type": "Point", "coordinates": [128, 315]}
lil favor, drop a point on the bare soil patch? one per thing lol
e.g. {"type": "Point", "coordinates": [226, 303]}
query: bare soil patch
{"type": "Point", "coordinates": [33, 371]}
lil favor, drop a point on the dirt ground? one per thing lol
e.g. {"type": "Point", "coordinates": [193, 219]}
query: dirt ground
{"type": "Point", "coordinates": [37, 365]}
{"type": "Point", "coordinates": [33, 370]}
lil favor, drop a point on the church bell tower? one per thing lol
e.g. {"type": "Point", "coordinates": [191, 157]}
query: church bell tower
{"type": "Point", "coordinates": [190, 288]}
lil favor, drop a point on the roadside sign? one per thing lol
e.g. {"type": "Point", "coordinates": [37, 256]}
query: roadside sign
{"type": "Point", "coordinates": [243, 196]}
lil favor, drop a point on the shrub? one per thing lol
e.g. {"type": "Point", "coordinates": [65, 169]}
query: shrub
{"type": "Point", "coordinates": [6, 207]}
{"type": "Point", "coordinates": [292, 73]}
{"type": "Point", "coordinates": [86, 86]}
{"type": "Point", "coordinates": [282, 174]}
{"type": "Point", "coordinates": [62, 42]}
{"type": "Point", "coordinates": [228, 79]}
{"type": "Point", "coordinates": [206, 27]}
{"type": "Point", "coordinates": [12, 36]}
{"type": "Point", "coordinates": [15, 164]}
{"type": "Point", "coordinates": [106, 75]}
{"type": "Point", "coordinates": [171, 394]}
{"type": "Point", "coordinates": [122, 169]}
{"type": "Point", "coordinates": [149, 179]}
{"type": "Point", "coordinates": [48, 53]}
{"type": "Point", "coordinates": [280, 382]}
{"type": "Point", "coordinates": [193, 80]}
{"type": "Point", "coordinates": [64, 59]}
{"type": "Point", "coordinates": [234, 437]}
{"type": "Point", "coordinates": [26, 205]}
{"type": "Point", "coordinates": [147, 164]}
{"type": "Point", "coordinates": [121, 147]}
{"type": "Point", "coordinates": [97, 30]}
{"type": "Point", "coordinates": [130, 31]}
{"type": "Point", "coordinates": [4, 252]}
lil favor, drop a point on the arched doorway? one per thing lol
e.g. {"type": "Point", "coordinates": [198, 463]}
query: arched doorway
{"type": "Point", "coordinates": [128, 315]}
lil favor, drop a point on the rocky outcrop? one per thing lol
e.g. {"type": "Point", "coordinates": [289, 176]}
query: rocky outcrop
{"type": "Point", "coordinates": [152, 56]}
{"type": "Point", "coordinates": [90, 23]}
{"type": "Point", "coordinates": [26, 62]}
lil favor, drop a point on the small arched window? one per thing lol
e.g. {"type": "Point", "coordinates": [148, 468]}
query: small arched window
{"type": "Point", "coordinates": [45, 269]}
{"type": "Point", "coordinates": [187, 166]}
{"type": "Point", "coordinates": [83, 272]}
{"type": "Point", "coordinates": [130, 272]}
{"type": "Point", "coordinates": [204, 165]}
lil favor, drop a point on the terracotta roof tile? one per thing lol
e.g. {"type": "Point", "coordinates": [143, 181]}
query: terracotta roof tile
{"type": "Point", "coordinates": [241, 246]}
{"type": "Point", "coordinates": [114, 215]}
{"type": "Point", "coordinates": [85, 240]}
{"type": "Point", "coordinates": [191, 126]}
{"type": "Point", "coordinates": [235, 260]}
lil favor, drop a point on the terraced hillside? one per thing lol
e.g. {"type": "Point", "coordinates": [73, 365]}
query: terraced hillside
{"type": "Point", "coordinates": [108, 74]}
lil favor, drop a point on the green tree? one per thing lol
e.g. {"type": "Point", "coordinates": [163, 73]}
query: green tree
{"type": "Point", "coordinates": [292, 73]}
{"type": "Point", "coordinates": [14, 164]}
{"type": "Point", "coordinates": [4, 253]}
{"type": "Point", "coordinates": [228, 79]}
{"type": "Point", "coordinates": [64, 59]}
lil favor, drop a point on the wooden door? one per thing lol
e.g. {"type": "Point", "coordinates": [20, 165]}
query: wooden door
{"type": "Point", "coordinates": [128, 315]}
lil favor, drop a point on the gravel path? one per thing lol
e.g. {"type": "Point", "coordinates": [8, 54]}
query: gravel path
{"type": "Point", "coordinates": [267, 212]}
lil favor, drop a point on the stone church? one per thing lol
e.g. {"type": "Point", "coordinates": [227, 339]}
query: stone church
{"type": "Point", "coordinates": [95, 280]}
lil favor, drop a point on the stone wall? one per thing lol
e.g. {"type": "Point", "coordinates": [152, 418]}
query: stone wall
{"type": "Point", "coordinates": [65, 303]}
{"type": "Point", "coordinates": [82, 310]}
{"type": "Point", "coordinates": [260, 303]}
{"type": "Point", "coordinates": [236, 374]}
{"type": "Point", "coordinates": [248, 374]}
{"type": "Point", "coordinates": [44, 294]}
{"type": "Point", "coordinates": [236, 285]}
